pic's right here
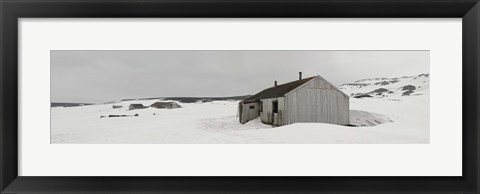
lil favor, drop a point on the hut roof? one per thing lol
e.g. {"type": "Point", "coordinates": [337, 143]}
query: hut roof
{"type": "Point", "coordinates": [136, 105]}
{"type": "Point", "coordinates": [160, 103]}
{"type": "Point", "coordinates": [168, 105]}
{"type": "Point", "coordinates": [278, 91]}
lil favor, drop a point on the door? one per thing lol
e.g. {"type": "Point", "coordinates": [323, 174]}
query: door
{"type": "Point", "coordinates": [274, 112]}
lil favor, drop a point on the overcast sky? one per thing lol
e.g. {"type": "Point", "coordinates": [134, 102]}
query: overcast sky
{"type": "Point", "coordinates": [101, 76]}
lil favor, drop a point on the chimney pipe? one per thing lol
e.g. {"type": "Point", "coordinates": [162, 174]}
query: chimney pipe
{"type": "Point", "coordinates": [299, 75]}
{"type": "Point", "coordinates": [275, 84]}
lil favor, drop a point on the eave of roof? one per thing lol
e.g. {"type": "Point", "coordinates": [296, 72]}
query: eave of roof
{"type": "Point", "coordinates": [278, 91]}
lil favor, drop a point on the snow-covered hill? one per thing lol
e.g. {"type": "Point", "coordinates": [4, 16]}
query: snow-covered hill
{"type": "Point", "coordinates": [388, 87]}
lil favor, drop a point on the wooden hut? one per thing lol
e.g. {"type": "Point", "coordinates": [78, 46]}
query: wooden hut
{"type": "Point", "coordinates": [117, 106]}
{"type": "Point", "coordinates": [136, 106]}
{"type": "Point", "coordinates": [309, 100]}
{"type": "Point", "coordinates": [167, 105]}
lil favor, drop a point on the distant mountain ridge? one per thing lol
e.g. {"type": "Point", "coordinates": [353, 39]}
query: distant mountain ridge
{"type": "Point", "coordinates": [194, 99]}
{"type": "Point", "coordinates": [67, 104]}
{"type": "Point", "coordinates": [388, 87]}
{"type": "Point", "coordinates": [179, 99]}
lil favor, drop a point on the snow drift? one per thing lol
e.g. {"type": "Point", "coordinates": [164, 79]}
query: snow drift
{"type": "Point", "coordinates": [397, 111]}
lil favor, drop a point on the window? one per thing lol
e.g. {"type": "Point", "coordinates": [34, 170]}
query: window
{"type": "Point", "coordinates": [261, 106]}
{"type": "Point", "coordinates": [252, 107]}
{"type": "Point", "coordinates": [275, 106]}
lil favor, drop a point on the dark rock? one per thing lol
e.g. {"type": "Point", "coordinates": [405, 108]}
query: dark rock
{"type": "Point", "coordinates": [424, 75]}
{"type": "Point", "coordinates": [379, 90]}
{"type": "Point", "coordinates": [407, 93]}
{"type": "Point", "coordinates": [382, 83]}
{"type": "Point", "coordinates": [408, 89]}
{"type": "Point", "coordinates": [122, 115]}
{"type": "Point", "coordinates": [363, 96]}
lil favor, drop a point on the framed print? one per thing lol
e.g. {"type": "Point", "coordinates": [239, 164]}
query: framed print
{"type": "Point", "coordinates": [255, 97]}
{"type": "Point", "coordinates": [308, 109]}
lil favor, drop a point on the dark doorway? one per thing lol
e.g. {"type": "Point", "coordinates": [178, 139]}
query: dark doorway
{"type": "Point", "coordinates": [275, 106]}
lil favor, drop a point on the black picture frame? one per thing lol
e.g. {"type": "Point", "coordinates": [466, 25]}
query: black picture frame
{"type": "Point", "coordinates": [11, 10]}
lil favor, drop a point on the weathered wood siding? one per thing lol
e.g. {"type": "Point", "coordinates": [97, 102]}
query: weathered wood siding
{"type": "Point", "coordinates": [267, 115]}
{"type": "Point", "coordinates": [316, 101]}
{"type": "Point", "coordinates": [247, 114]}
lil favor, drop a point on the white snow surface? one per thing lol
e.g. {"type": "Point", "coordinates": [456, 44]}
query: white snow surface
{"type": "Point", "coordinates": [392, 119]}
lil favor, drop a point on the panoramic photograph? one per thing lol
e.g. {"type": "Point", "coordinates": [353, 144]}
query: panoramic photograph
{"type": "Point", "coordinates": [240, 97]}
